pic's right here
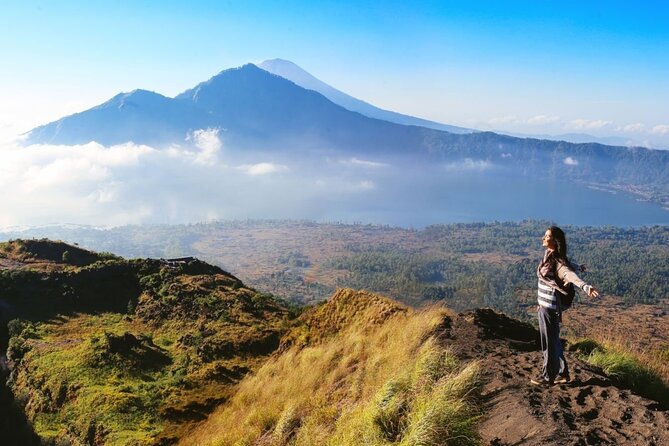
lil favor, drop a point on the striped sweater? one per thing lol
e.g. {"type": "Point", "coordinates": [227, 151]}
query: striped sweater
{"type": "Point", "coordinates": [551, 273]}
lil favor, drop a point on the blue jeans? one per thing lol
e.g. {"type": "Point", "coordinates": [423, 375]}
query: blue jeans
{"type": "Point", "coordinates": [549, 331]}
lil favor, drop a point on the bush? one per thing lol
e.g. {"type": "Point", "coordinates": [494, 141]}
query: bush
{"type": "Point", "coordinates": [624, 369]}
{"type": "Point", "coordinates": [390, 409]}
{"type": "Point", "coordinates": [628, 372]}
{"type": "Point", "coordinates": [17, 349]}
{"type": "Point", "coordinates": [15, 327]}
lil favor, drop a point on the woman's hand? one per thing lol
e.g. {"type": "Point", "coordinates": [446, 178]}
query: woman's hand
{"type": "Point", "coordinates": [592, 292]}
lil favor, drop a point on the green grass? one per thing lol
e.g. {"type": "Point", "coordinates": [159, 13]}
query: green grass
{"type": "Point", "coordinates": [70, 389]}
{"type": "Point", "coordinates": [376, 384]}
{"type": "Point", "coordinates": [115, 377]}
{"type": "Point", "coordinates": [624, 368]}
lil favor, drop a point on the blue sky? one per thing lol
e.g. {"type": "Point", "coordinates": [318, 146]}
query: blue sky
{"type": "Point", "coordinates": [531, 67]}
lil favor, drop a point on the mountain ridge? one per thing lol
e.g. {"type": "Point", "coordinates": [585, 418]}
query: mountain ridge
{"type": "Point", "coordinates": [294, 73]}
{"type": "Point", "coordinates": [260, 112]}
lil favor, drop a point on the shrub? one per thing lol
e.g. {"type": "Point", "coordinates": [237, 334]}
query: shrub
{"type": "Point", "coordinates": [390, 409]}
{"type": "Point", "coordinates": [627, 371]}
{"type": "Point", "coordinates": [624, 368]}
{"type": "Point", "coordinates": [15, 327]}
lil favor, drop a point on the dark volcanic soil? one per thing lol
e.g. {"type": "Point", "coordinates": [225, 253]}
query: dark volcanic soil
{"type": "Point", "coordinates": [590, 410]}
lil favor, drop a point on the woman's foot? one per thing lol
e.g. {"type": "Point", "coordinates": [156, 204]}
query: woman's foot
{"type": "Point", "coordinates": [541, 381]}
{"type": "Point", "coordinates": [562, 379]}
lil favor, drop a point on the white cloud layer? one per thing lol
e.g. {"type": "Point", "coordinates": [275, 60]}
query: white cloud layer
{"type": "Point", "coordinates": [633, 128]}
{"type": "Point", "coordinates": [543, 120]}
{"type": "Point", "coordinates": [586, 124]}
{"type": "Point", "coordinates": [468, 165]}
{"type": "Point", "coordinates": [607, 130]}
{"type": "Point", "coordinates": [569, 161]}
{"type": "Point", "coordinates": [262, 168]}
{"type": "Point", "coordinates": [209, 144]}
{"type": "Point", "coordinates": [504, 120]}
{"type": "Point", "coordinates": [363, 163]}
{"type": "Point", "coordinates": [661, 129]}
{"type": "Point", "coordinates": [135, 184]}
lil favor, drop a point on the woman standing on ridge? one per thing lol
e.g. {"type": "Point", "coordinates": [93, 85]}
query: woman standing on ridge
{"type": "Point", "coordinates": [557, 278]}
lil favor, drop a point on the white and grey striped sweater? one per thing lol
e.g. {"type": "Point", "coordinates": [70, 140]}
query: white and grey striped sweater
{"type": "Point", "coordinates": [547, 294]}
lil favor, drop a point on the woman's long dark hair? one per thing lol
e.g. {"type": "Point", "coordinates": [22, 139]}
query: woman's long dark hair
{"type": "Point", "coordinates": [560, 242]}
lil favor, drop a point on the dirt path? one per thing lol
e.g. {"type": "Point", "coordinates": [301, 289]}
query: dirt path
{"type": "Point", "coordinates": [590, 410]}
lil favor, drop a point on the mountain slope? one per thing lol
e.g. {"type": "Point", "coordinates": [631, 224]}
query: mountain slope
{"type": "Point", "coordinates": [591, 409]}
{"type": "Point", "coordinates": [380, 383]}
{"type": "Point", "coordinates": [292, 72]}
{"type": "Point", "coordinates": [359, 369]}
{"type": "Point", "coordinates": [252, 104]}
{"type": "Point", "coordinates": [140, 116]}
{"type": "Point", "coordinates": [103, 350]}
{"type": "Point", "coordinates": [363, 371]}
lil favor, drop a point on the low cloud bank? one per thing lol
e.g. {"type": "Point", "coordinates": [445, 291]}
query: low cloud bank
{"type": "Point", "coordinates": [468, 165]}
{"type": "Point", "coordinates": [134, 184]}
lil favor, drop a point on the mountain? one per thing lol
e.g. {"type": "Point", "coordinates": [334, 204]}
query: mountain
{"type": "Point", "coordinates": [293, 72]}
{"type": "Point", "coordinates": [258, 111]}
{"type": "Point", "coordinates": [578, 138]}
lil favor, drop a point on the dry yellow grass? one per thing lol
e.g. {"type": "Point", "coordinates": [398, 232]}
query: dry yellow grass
{"type": "Point", "coordinates": [364, 383]}
{"type": "Point", "coordinates": [641, 330]}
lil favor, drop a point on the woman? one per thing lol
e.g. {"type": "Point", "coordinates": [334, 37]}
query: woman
{"type": "Point", "coordinates": [555, 274]}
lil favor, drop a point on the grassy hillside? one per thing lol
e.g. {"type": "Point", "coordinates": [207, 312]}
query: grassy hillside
{"type": "Point", "coordinates": [110, 351]}
{"type": "Point", "coordinates": [361, 369]}
{"type": "Point", "coordinates": [107, 351]}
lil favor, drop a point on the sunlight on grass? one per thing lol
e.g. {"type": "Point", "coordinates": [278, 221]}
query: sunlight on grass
{"type": "Point", "coordinates": [371, 384]}
{"type": "Point", "coordinates": [625, 367]}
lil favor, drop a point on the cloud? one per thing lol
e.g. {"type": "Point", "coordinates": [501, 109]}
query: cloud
{"type": "Point", "coordinates": [569, 161]}
{"type": "Point", "coordinates": [363, 163]}
{"type": "Point", "coordinates": [44, 183]}
{"type": "Point", "coordinates": [98, 185]}
{"type": "Point", "coordinates": [534, 120]}
{"type": "Point", "coordinates": [543, 120]}
{"type": "Point", "coordinates": [660, 129]}
{"type": "Point", "coordinates": [131, 184]}
{"type": "Point", "coordinates": [468, 165]}
{"type": "Point", "coordinates": [261, 168]}
{"type": "Point", "coordinates": [209, 144]}
{"type": "Point", "coordinates": [632, 128]}
{"type": "Point", "coordinates": [585, 124]}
